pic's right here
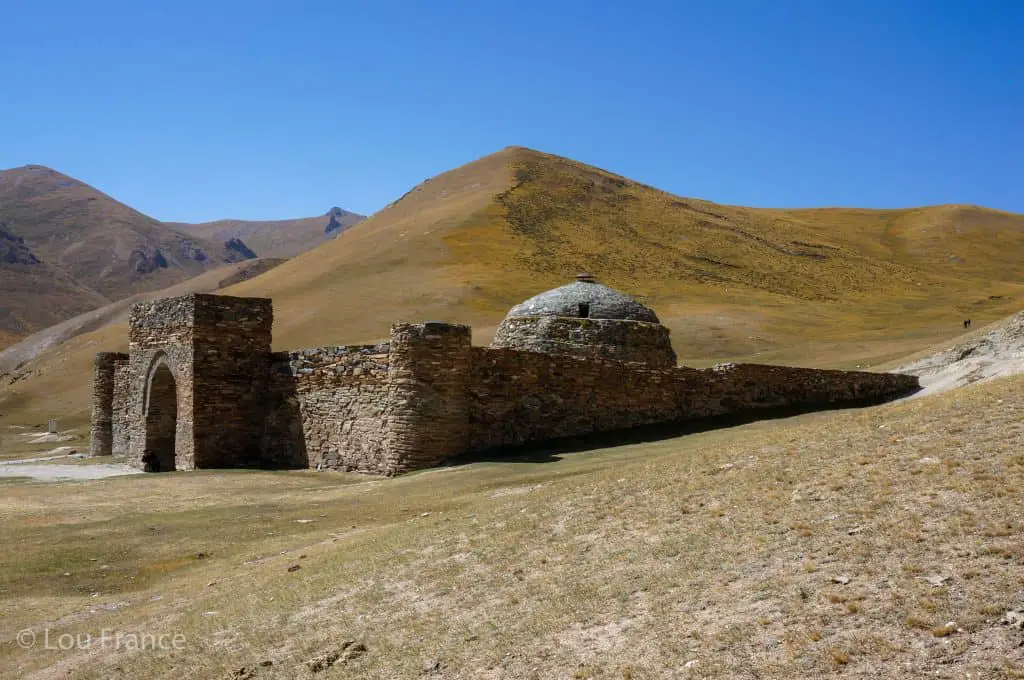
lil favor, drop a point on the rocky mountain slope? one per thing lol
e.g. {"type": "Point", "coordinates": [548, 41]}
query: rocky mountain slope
{"type": "Point", "coordinates": [276, 238]}
{"type": "Point", "coordinates": [66, 248]}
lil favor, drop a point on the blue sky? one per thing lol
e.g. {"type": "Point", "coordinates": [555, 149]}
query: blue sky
{"type": "Point", "coordinates": [202, 110]}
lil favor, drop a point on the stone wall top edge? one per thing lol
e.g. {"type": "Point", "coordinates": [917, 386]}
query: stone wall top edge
{"type": "Point", "coordinates": [240, 299]}
{"type": "Point", "coordinates": [208, 297]}
{"type": "Point", "coordinates": [430, 327]}
{"type": "Point", "coordinates": [568, 359]}
{"type": "Point", "coordinates": [335, 350]}
{"type": "Point", "coordinates": [112, 356]}
{"type": "Point", "coordinates": [206, 301]}
{"type": "Point", "coordinates": [777, 368]}
{"type": "Point", "coordinates": [578, 321]}
{"type": "Point", "coordinates": [179, 302]}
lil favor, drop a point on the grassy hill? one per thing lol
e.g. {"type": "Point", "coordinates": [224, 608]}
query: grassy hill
{"type": "Point", "coordinates": [830, 288]}
{"type": "Point", "coordinates": [66, 248]}
{"type": "Point", "coordinates": [731, 282]}
{"type": "Point", "coordinates": [276, 238]}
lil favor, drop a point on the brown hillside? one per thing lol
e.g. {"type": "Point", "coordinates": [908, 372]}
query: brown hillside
{"type": "Point", "coordinates": [276, 238]}
{"type": "Point", "coordinates": [28, 348]}
{"type": "Point", "coordinates": [729, 281]}
{"type": "Point", "coordinates": [80, 249]}
{"type": "Point", "coordinates": [23, 276]}
{"type": "Point", "coordinates": [834, 288]}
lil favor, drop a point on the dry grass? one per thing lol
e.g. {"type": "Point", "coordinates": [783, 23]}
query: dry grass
{"type": "Point", "coordinates": [840, 542]}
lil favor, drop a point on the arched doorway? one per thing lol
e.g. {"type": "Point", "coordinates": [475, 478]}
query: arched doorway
{"type": "Point", "coordinates": [161, 420]}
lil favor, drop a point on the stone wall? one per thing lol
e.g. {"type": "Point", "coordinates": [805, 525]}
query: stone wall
{"type": "Point", "coordinates": [619, 340]}
{"type": "Point", "coordinates": [225, 400]}
{"type": "Point", "coordinates": [329, 409]}
{"type": "Point", "coordinates": [384, 409]}
{"type": "Point", "coordinates": [101, 441]}
{"type": "Point", "coordinates": [428, 401]}
{"type": "Point", "coordinates": [518, 397]}
{"type": "Point", "coordinates": [160, 333]}
{"type": "Point", "coordinates": [122, 390]}
{"type": "Point", "coordinates": [231, 367]}
{"type": "Point", "coordinates": [217, 349]}
{"type": "Point", "coordinates": [283, 441]}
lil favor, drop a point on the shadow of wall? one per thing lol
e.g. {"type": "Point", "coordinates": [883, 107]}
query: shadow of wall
{"type": "Point", "coordinates": [283, 444]}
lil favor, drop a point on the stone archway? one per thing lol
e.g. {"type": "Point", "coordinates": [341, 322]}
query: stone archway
{"type": "Point", "coordinates": [161, 419]}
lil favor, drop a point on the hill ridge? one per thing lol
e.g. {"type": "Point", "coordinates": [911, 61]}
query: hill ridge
{"type": "Point", "coordinates": [276, 238]}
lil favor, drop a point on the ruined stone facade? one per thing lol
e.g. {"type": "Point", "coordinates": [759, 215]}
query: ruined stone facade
{"type": "Point", "coordinates": [201, 388]}
{"type": "Point", "coordinates": [191, 393]}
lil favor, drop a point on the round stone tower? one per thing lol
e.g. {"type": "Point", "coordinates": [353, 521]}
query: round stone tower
{"type": "Point", "coordinates": [587, 319]}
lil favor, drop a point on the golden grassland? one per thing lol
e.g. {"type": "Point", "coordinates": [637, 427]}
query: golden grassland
{"type": "Point", "coordinates": [881, 542]}
{"type": "Point", "coordinates": [826, 287]}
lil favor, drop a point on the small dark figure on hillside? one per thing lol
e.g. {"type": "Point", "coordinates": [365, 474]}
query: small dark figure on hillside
{"type": "Point", "coordinates": [967, 323]}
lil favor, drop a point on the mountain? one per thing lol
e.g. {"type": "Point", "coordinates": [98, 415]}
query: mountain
{"type": "Point", "coordinates": [66, 248]}
{"type": "Point", "coordinates": [24, 278]}
{"type": "Point", "coordinates": [839, 287]}
{"type": "Point", "coordinates": [276, 238]}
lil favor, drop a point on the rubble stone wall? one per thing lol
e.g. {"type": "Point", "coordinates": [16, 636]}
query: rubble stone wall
{"type": "Point", "coordinates": [429, 372]}
{"type": "Point", "coordinates": [329, 408]}
{"type": "Point", "coordinates": [122, 389]}
{"type": "Point", "coordinates": [231, 368]}
{"type": "Point", "coordinates": [518, 397]}
{"type": "Point", "coordinates": [423, 397]}
{"type": "Point", "coordinates": [616, 339]}
{"type": "Point", "coordinates": [160, 333]}
{"type": "Point", "coordinates": [101, 441]}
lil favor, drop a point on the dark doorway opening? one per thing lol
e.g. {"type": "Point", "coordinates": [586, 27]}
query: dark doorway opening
{"type": "Point", "coordinates": [161, 421]}
{"type": "Point", "coordinates": [584, 309]}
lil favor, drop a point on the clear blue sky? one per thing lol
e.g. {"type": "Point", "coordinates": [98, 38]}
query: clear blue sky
{"type": "Point", "coordinates": [248, 109]}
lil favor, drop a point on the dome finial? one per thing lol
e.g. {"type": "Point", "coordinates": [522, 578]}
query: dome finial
{"type": "Point", "coordinates": [586, 277]}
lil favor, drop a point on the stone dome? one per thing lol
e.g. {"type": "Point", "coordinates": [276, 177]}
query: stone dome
{"type": "Point", "coordinates": [587, 319]}
{"type": "Point", "coordinates": [585, 298]}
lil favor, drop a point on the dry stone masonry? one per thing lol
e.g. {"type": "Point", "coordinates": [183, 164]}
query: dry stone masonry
{"type": "Point", "coordinates": [201, 388]}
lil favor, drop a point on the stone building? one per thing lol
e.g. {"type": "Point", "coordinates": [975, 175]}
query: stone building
{"type": "Point", "coordinates": [201, 388]}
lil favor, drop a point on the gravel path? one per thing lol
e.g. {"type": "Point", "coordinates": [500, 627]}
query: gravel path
{"type": "Point", "coordinates": [56, 472]}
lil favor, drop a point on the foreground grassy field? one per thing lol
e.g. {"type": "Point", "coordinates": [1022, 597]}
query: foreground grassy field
{"type": "Point", "coordinates": [884, 542]}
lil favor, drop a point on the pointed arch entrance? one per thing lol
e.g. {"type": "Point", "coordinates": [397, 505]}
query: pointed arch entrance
{"type": "Point", "coordinates": [161, 414]}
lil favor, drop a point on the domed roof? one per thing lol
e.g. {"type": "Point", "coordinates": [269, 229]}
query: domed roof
{"type": "Point", "coordinates": [585, 297]}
